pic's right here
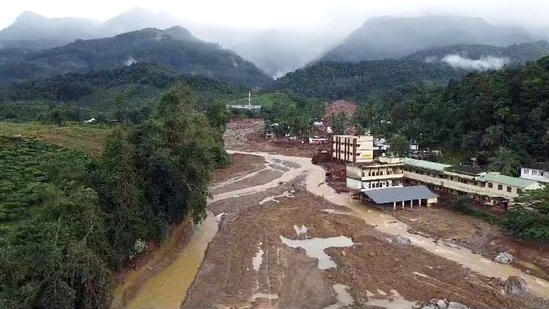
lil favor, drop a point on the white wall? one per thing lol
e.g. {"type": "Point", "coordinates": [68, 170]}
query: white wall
{"type": "Point", "coordinates": [534, 174]}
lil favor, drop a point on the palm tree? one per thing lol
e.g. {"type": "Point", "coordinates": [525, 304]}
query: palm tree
{"type": "Point", "coordinates": [504, 161]}
{"type": "Point", "coordinates": [493, 136]}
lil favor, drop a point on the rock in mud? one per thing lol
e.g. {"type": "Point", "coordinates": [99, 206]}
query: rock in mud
{"type": "Point", "coordinates": [515, 285]}
{"type": "Point", "coordinates": [405, 241]}
{"type": "Point", "coordinates": [504, 258]}
{"type": "Point", "coordinates": [441, 304]}
{"type": "Point", "coordinates": [454, 305]}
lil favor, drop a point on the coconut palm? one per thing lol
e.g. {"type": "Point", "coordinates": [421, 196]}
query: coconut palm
{"type": "Point", "coordinates": [504, 161]}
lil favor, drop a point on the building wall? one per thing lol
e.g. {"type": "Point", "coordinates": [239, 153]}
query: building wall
{"type": "Point", "coordinates": [463, 185]}
{"type": "Point", "coordinates": [353, 149]}
{"type": "Point", "coordinates": [377, 184]}
{"type": "Point", "coordinates": [534, 174]}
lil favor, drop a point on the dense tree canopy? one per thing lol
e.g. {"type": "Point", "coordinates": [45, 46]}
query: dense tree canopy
{"type": "Point", "coordinates": [363, 80]}
{"type": "Point", "coordinates": [115, 94]}
{"type": "Point", "coordinates": [480, 113]}
{"type": "Point", "coordinates": [67, 220]}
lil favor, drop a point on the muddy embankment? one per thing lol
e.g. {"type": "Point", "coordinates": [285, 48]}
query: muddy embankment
{"type": "Point", "coordinates": [291, 242]}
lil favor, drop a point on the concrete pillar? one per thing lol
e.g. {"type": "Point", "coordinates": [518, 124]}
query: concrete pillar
{"type": "Point", "coordinates": [403, 204]}
{"type": "Point", "coordinates": [394, 205]}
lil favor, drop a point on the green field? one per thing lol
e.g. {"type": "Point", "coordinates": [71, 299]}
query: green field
{"type": "Point", "coordinates": [87, 138]}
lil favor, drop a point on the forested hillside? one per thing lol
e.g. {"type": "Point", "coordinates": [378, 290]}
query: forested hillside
{"type": "Point", "coordinates": [516, 53]}
{"type": "Point", "coordinates": [67, 220]}
{"type": "Point", "coordinates": [175, 48]}
{"type": "Point", "coordinates": [105, 92]}
{"type": "Point", "coordinates": [503, 115]}
{"type": "Point", "coordinates": [363, 80]}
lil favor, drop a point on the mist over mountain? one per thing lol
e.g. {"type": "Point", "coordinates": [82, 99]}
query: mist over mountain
{"type": "Point", "coordinates": [30, 26]}
{"type": "Point", "coordinates": [174, 48]}
{"type": "Point", "coordinates": [515, 54]}
{"type": "Point", "coordinates": [395, 37]}
{"type": "Point", "coordinates": [278, 52]}
{"type": "Point", "coordinates": [34, 31]}
{"type": "Point", "coordinates": [138, 18]}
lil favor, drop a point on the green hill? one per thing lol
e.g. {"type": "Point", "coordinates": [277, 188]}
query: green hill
{"type": "Point", "coordinates": [175, 48]}
{"type": "Point", "coordinates": [363, 80]}
{"type": "Point", "coordinates": [477, 114]}
{"type": "Point", "coordinates": [105, 92]}
{"type": "Point", "coordinates": [516, 53]}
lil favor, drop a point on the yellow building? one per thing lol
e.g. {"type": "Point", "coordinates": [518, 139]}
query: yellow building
{"type": "Point", "coordinates": [488, 188]}
{"type": "Point", "coordinates": [492, 189]}
{"type": "Point", "coordinates": [353, 149]}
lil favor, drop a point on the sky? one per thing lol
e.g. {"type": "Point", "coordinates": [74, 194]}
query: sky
{"type": "Point", "coordinates": [283, 14]}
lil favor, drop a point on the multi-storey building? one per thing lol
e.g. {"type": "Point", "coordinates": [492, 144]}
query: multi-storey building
{"type": "Point", "coordinates": [382, 173]}
{"type": "Point", "coordinates": [491, 189]}
{"type": "Point", "coordinates": [353, 148]}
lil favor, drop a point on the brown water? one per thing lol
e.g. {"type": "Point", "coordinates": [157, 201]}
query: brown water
{"type": "Point", "coordinates": [168, 288]}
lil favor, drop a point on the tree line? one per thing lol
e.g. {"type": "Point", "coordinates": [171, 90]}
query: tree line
{"type": "Point", "coordinates": [122, 94]}
{"type": "Point", "coordinates": [68, 220]}
{"type": "Point", "coordinates": [502, 117]}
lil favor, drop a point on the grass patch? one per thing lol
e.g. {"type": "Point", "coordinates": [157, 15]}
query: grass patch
{"type": "Point", "coordinates": [87, 138]}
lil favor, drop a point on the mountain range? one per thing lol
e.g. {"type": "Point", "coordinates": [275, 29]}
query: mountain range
{"type": "Point", "coordinates": [175, 48]}
{"type": "Point", "coordinates": [29, 26]}
{"type": "Point", "coordinates": [396, 37]}
{"type": "Point", "coordinates": [35, 46]}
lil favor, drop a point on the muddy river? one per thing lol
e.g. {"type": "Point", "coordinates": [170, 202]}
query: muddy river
{"type": "Point", "coordinates": [168, 288]}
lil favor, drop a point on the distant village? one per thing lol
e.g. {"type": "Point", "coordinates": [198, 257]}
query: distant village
{"type": "Point", "coordinates": [376, 176]}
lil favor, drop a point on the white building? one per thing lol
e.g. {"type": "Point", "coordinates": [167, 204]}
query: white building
{"type": "Point", "coordinates": [353, 148]}
{"type": "Point", "coordinates": [383, 173]}
{"type": "Point", "coordinates": [538, 172]}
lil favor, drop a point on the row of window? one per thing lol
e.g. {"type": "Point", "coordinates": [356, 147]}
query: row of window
{"type": "Point", "coordinates": [380, 173]}
{"type": "Point", "coordinates": [465, 181]}
{"type": "Point", "coordinates": [533, 172]}
{"type": "Point", "coordinates": [375, 185]}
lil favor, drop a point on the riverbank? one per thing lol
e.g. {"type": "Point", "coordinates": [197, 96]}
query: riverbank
{"type": "Point", "coordinates": [135, 280]}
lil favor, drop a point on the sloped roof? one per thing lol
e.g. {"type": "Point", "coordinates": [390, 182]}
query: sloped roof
{"type": "Point", "coordinates": [507, 180]}
{"type": "Point", "coordinates": [544, 166]}
{"type": "Point", "coordinates": [467, 169]}
{"type": "Point", "coordinates": [398, 194]}
{"type": "Point", "coordinates": [426, 164]}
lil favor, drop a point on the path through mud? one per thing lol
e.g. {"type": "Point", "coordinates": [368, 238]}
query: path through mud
{"type": "Point", "coordinates": [261, 260]}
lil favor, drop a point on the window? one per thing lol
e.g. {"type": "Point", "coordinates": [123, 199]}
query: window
{"type": "Point", "coordinates": [381, 173]}
{"type": "Point", "coordinates": [526, 171]}
{"type": "Point", "coordinates": [500, 187]}
{"type": "Point", "coordinates": [509, 189]}
{"type": "Point", "coordinates": [534, 173]}
{"type": "Point", "coordinates": [490, 185]}
{"type": "Point", "coordinates": [519, 191]}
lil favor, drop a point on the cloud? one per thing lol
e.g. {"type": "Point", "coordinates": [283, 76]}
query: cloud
{"type": "Point", "coordinates": [482, 64]}
{"type": "Point", "coordinates": [130, 61]}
